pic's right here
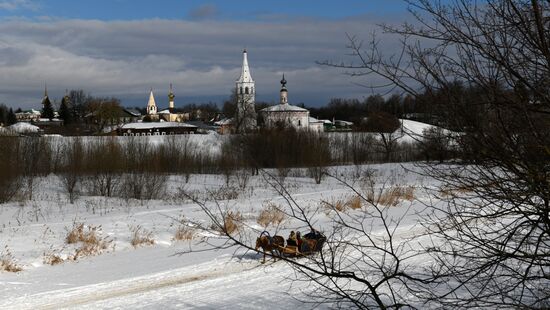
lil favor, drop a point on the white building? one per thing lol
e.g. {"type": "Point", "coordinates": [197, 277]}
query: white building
{"type": "Point", "coordinates": [285, 115]}
{"type": "Point", "coordinates": [245, 119]}
{"type": "Point", "coordinates": [31, 115]}
{"type": "Point", "coordinates": [167, 115]}
{"type": "Point", "coordinates": [170, 114]}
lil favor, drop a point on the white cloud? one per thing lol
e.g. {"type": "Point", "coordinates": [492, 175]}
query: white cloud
{"type": "Point", "coordinates": [12, 5]}
{"type": "Point", "coordinates": [202, 59]}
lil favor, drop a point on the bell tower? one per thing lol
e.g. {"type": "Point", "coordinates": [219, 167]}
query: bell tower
{"type": "Point", "coordinates": [151, 105]}
{"type": "Point", "coordinates": [246, 94]}
{"type": "Point", "coordinates": [171, 97]}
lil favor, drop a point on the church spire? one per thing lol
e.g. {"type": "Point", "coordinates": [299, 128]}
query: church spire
{"type": "Point", "coordinates": [245, 71]}
{"type": "Point", "coordinates": [151, 105]}
{"type": "Point", "coordinates": [171, 97]}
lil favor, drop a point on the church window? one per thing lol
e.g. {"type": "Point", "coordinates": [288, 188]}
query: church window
{"type": "Point", "coordinates": [299, 123]}
{"type": "Point", "coordinates": [241, 91]}
{"type": "Point", "coordinates": [246, 90]}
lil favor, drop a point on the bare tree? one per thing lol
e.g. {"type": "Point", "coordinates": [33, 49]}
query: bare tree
{"type": "Point", "coordinates": [360, 266]}
{"type": "Point", "coordinates": [104, 165]}
{"type": "Point", "coordinates": [72, 173]}
{"type": "Point", "coordinates": [10, 174]}
{"type": "Point", "coordinates": [35, 161]}
{"type": "Point", "coordinates": [385, 125]}
{"type": "Point", "coordinates": [493, 247]}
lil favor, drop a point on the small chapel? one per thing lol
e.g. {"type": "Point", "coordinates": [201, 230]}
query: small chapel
{"type": "Point", "coordinates": [166, 115]}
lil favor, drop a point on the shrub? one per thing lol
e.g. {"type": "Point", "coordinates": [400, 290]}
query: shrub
{"type": "Point", "coordinates": [52, 259]}
{"type": "Point", "coordinates": [89, 238]}
{"type": "Point", "coordinates": [141, 236]}
{"type": "Point", "coordinates": [392, 196]}
{"type": "Point", "coordinates": [230, 223]}
{"type": "Point", "coordinates": [8, 262]}
{"type": "Point", "coordinates": [354, 203]}
{"type": "Point", "coordinates": [184, 232]}
{"type": "Point", "coordinates": [271, 215]}
{"type": "Point", "coordinates": [341, 205]}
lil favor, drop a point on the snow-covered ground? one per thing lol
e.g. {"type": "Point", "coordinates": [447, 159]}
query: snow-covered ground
{"type": "Point", "coordinates": [166, 274]}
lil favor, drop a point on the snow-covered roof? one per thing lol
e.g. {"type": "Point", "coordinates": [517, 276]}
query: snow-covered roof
{"type": "Point", "coordinates": [225, 121]}
{"type": "Point", "coordinates": [284, 108]}
{"type": "Point", "coordinates": [314, 120]}
{"type": "Point", "coordinates": [165, 111]}
{"type": "Point", "coordinates": [341, 122]}
{"type": "Point", "coordinates": [133, 112]}
{"type": "Point", "coordinates": [31, 111]}
{"type": "Point", "coordinates": [156, 125]}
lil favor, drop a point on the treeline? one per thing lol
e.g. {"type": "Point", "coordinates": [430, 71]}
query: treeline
{"type": "Point", "coordinates": [7, 116]}
{"type": "Point", "coordinates": [433, 106]}
{"type": "Point", "coordinates": [132, 167]}
{"type": "Point", "coordinates": [105, 166]}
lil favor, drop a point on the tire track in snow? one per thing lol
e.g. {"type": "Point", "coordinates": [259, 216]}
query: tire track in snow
{"type": "Point", "coordinates": [80, 296]}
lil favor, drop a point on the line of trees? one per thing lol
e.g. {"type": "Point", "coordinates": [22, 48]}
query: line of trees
{"type": "Point", "coordinates": [100, 162]}
{"type": "Point", "coordinates": [7, 116]}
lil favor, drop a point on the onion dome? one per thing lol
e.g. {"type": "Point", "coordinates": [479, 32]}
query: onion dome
{"type": "Point", "coordinates": [283, 83]}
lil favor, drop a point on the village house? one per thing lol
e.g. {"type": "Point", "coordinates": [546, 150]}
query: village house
{"type": "Point", "coordinates": [28, 116]}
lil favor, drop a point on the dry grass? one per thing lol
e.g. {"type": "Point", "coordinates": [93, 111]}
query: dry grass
{"type": "Point", "coordinates": [226, 193]}
{"type": "Point", "coordinates": [231, 222]}
{"type": "Point", "coordinates": [271, 214]}
{"type": "Point", "coordinates": [8, 262]}
{"type": "Point", "coordinates": [354, 203]}
{"type": "Point", "coordinates": [393, 195]}
{"type": "Point", "coordinates": [141, 236]}
{"type": "Point", "coordinates": [454, 191]}
{"type": "Point", "coordinates": [52, 259]}
{"type": "Point", "coordinates": [184, 232]}
{"type": "Point", "coordinates": [344, 204]}
{"type": "Point", "coordinates": [89, 238]}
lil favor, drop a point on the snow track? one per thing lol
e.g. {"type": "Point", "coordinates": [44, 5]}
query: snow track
{"type": "Point", "coordinates": [127, 289]}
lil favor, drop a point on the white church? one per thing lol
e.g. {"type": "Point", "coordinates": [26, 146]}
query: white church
{"type": "Point", "coordinates": [167, 115]}
{"type": "Point", "coordinates": [282, 115]}
{"type": "Point", "coordinates": [285, 115]}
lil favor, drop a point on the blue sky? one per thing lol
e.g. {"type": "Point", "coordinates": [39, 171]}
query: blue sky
{"type": "Point", "coordinates": [122, 48]}
{"type": "Point", "coordinates": [194, 9]}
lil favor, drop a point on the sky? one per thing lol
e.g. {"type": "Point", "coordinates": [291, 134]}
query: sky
{"type": "Point", "coordinates": [123, 48]}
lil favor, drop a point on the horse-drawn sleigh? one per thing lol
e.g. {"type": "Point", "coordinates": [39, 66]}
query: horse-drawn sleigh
{"type": "Point", "coordinates": [310, 243]}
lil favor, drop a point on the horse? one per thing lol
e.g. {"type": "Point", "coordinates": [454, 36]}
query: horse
{"type": "Point", "coordinates": [270, 244]}
{"type": "Point", "coordinates": [309, 246]}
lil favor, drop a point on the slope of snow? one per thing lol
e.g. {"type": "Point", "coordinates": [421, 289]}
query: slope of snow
{"type": "Point", "coordinates": [22, 127]}
{"type": "Point", "coordinates": [412, 131]}
{"type": "Point", "coordinates": [161, 276]}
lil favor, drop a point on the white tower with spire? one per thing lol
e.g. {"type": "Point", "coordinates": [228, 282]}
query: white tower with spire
{"type": "Point", "coordinates": [151, 105]}
{"type": "Point", "coordinates": [171, 97]}
{"type": "Point", "coordinates": [246, 93]}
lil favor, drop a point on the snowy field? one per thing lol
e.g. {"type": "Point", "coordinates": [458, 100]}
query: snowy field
{"type": "Point", "coordinates": [170, 273]}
